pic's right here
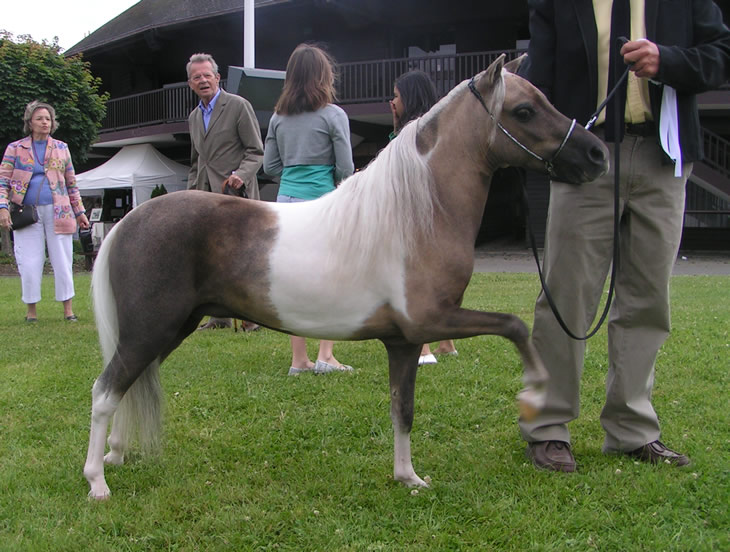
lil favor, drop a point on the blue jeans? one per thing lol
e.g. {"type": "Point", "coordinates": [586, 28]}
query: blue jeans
{"type": "Point", "coordinates": [289, 199]}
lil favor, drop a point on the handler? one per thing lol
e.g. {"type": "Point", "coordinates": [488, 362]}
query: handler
{"type": "Point", "coordinates": [676, 50]}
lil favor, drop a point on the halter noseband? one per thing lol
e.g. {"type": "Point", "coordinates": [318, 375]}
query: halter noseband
{"type": "Point", "coordinates": [548, 162]}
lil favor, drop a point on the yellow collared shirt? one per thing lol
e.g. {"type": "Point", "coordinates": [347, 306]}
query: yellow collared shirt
{"type": "Point", "coordinates": [638, 107]}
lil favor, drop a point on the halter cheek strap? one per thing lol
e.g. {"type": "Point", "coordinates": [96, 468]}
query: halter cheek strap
{"type": "Point", "coordinates": [549, 163]}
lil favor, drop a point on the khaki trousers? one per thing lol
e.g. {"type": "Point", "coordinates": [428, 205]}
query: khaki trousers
{"type": "Point", "coordinates": [577, 260]}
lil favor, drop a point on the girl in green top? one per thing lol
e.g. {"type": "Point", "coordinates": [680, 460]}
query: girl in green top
{"type": "Point", "coordinates": [308, 147]}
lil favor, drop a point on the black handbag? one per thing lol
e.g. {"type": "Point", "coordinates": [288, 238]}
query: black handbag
{"type": "Point", "coordinates": [22, 215]}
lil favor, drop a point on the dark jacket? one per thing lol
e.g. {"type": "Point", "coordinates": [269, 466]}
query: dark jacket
{"type": "Point", "coordinates": [694, 50]}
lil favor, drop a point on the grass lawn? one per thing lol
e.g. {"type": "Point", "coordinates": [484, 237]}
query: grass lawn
{"type": "Point", "coordinates": [255, 460]}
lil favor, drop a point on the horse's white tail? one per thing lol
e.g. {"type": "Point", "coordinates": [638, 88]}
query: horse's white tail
{"type": "Point", "coordinates": [139, 414]}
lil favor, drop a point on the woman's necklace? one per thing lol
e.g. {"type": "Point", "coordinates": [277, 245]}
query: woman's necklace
{"type": "Point", "coordinates": [40, 159]}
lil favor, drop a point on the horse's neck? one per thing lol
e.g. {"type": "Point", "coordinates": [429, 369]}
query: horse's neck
{"type": "Point", "coordinates": [462, 177]}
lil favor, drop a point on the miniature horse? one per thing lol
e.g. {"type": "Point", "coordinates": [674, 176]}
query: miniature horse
{"type": "Point", "coordinates": [351, 265]}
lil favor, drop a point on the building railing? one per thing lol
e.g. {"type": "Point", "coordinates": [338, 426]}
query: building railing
{"type": "Point", "coordinates": [704, 209]}
{"type": "Point", "coordinates": [372, 81]}
{"type": "Point", "coordinates": [171, 104]}
{"type": "Point", "coordinates": [359, 82]}
{"type": "Point", "coordinates": [717, 152]}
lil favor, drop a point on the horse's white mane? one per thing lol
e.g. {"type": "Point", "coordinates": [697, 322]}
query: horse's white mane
{"type": "Point", "coordinates": [443, 102]}
{"type": "Point", "coordinates": [379, 213]}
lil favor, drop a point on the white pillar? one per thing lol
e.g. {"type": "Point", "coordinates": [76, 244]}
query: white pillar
{"type": "Point", "coordinates": [249, 34]}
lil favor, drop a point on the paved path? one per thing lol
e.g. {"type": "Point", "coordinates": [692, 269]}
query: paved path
{"type": "Point", "coordinates": [522, 260]}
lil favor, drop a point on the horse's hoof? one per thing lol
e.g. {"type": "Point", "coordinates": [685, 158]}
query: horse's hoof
{"type": "Point", "coordinates": [413, 481]}
{"type": "Point", "coordinates": [102, 493]}
{"type": "Point", "coordinates": [530, 403]}
{"type": "Point", "coordinates": [114, 459]}
{"type": "Point", "coordinates": [527, 411]}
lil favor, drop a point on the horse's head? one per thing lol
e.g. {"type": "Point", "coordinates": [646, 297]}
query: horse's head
{"type": "Point", "coordinates": [530, 132]}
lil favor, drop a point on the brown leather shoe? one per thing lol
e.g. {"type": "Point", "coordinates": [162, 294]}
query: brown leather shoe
{"type": "Point", "coordinates": [551, 455]}
{"type": "Point", "coordinates": [657, 452]}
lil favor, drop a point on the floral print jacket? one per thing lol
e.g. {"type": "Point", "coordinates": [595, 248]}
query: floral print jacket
{"type": "Point", "coordinates": [16, 170]}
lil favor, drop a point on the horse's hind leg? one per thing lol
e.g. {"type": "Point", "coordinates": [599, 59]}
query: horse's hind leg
{"type": "Point", "coordinates": [117, 444]}
{"type": "Point", "coordinates": [138, 413]}
{"type": "Point", "coordinates": [403, 367]}
{"type": "Point", "coordinates": [103, 405]}
{"type": "Point", "coordinates": [128, 389]}
{"type": "Point", "coordinates": [136, 410]}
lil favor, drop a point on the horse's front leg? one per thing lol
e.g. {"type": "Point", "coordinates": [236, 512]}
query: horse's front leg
{"type": "Point", "coordinates": [461, 323]}
{"type": "Point", "coordinates": [403, 366]}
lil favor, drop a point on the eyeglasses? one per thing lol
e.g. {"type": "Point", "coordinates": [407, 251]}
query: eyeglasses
{"type": "Point", "coordinates": [200, 76]}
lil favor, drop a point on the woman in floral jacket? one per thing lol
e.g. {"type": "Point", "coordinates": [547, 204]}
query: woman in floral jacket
{"type": "Point", "coordinates": [37, 170]}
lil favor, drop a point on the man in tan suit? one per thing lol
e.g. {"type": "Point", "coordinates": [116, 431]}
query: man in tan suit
{"type": "Point", "coordinates": [225, 141]}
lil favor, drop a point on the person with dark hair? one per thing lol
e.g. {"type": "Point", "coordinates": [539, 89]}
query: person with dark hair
{"type": "Point", "coordinates": [38, 171]}
{"type": "Point", "coordinates": [413, 95]}
{"type": "Point", "coordinates": [308, 147]}
{"type": "Point", "coordinates": [225, 141]}
{"type": "Point", "coordinates": [578, 50]}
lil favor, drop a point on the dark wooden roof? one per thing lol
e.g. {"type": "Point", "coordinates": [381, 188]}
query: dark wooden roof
{"type": "Point", "coordinates": [152, 14]}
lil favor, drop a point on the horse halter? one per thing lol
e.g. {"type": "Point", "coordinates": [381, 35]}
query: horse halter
{"type": "Point", "coordinates": [548, 162]}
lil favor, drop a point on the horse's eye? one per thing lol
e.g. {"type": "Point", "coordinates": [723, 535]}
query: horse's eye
{"type": "Point", "coordinates": [524, 114]}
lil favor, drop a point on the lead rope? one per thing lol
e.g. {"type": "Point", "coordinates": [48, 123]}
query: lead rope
{"type": "Point", "coordinates": [616, 179]}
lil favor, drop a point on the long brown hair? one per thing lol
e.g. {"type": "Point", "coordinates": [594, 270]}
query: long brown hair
{"type": "Point", "coordinates": [309, 83]}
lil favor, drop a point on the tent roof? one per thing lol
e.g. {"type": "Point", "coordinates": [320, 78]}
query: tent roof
{"type": "Point", "coordinates": [133, 166]}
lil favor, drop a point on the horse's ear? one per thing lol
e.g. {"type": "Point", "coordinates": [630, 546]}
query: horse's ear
{"type": "Point", "coordinates": [514, 65]}
{"type": "Point", "coordinates": [490, 83]}
{"type": "Point", "coordinates": [493, 74]}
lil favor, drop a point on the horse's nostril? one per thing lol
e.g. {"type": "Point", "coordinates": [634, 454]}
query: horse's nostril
{"type": "Point", "coordinates": [597, 155]}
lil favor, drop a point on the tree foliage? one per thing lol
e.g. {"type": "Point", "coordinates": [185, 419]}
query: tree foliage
{"type": "Point", "coordinates": [38, 71]}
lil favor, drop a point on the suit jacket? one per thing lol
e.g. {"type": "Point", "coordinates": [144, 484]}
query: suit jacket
{"type": "Point", "coordinates": [694, 50]}
{"type": "Point", "coordinates": [232, 143]}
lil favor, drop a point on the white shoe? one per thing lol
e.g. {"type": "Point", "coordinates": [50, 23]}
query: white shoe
{"type": "Point", "coordinates": [427, 359]}
{"type": "Point", "coordinates": [296, 371]}
{"type": "Point", "coordinates": [322, 367]}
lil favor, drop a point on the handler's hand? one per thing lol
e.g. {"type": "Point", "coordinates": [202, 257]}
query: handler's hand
{"type": "Point", "coordinates": [5, 221]}
{"type": "Point", "coordinates": [83, 221]}
{"type": "Point", "coordinates": [234, 181]}
{"type": "Point", "coordinates": [644, 55]}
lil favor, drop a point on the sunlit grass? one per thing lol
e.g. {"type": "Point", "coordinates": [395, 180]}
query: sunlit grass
{"type": "Point", "coordinates": [255, 460]}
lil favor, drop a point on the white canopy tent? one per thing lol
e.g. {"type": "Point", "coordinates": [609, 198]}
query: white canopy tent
{"type": "Point", "coordinates": [139, 167]}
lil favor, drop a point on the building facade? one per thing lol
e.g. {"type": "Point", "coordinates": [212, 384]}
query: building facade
{"type": "Point", "coordinates": [140, 57]}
